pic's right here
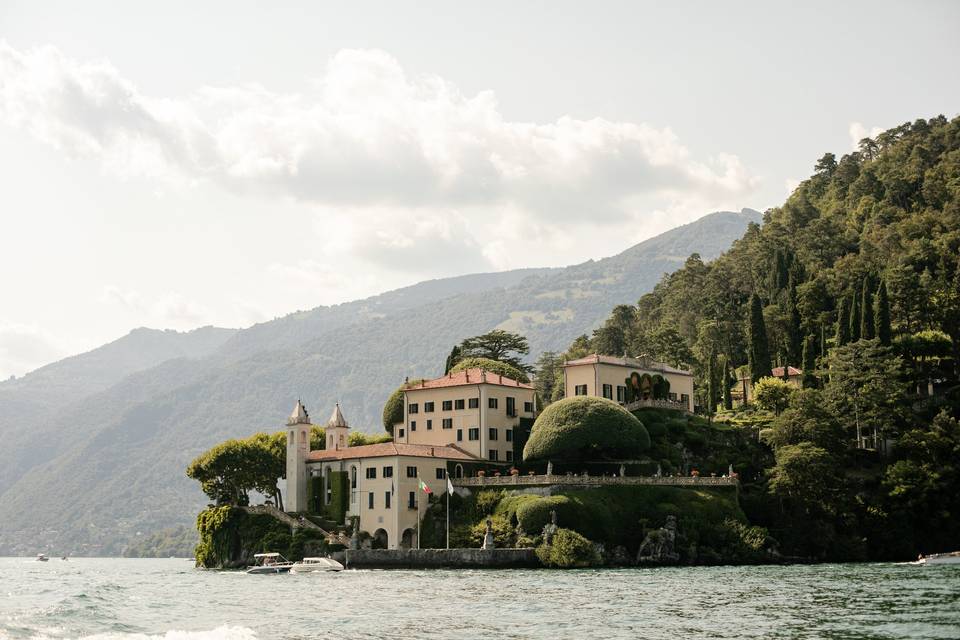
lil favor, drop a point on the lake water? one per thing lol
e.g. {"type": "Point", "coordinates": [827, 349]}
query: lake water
{"type": "Point", "coordinates": [123, 598]}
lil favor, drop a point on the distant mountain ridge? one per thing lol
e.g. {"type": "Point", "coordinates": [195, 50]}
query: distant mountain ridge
{"type": "Point", "coordinates": [90, 474]}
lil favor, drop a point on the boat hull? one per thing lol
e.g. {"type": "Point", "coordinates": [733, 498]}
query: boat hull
{"type": "Point", "coordinates": [268, 570]}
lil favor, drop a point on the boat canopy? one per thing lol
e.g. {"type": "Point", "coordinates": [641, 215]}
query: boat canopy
{"type": "Point", "coordinates": [266, 555]}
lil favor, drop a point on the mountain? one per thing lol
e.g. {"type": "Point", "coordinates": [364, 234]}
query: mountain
{"type": "Point", "coordinates": [94, 472]}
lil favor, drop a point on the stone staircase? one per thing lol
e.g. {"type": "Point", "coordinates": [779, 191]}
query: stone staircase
{"type": "Point", "coordinates": [298, 522]}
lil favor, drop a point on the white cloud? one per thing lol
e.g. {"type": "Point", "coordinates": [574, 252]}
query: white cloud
{"type": "Point", "coordinates": [23, 348]}
{"type": "Point", "coordinates": [403, 170]}
{"type": "Point", "coordinates": [858, 132]}
{"type": "Point", "coordinates": [171, 310]}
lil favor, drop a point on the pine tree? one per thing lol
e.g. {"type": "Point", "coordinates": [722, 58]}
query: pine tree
{"type": "Point", "coordinates": [809, 362]}
{"type": "Point", "coordinates": [854, 317]}
{"type": "Point", "coordinates": [759, 354]}
{"type": "Point", "coordinates": [866, 311]}
{"type": "Point", "coordinates": [882, 318]}
{"type": "Point", "coordinates": [842, 335]}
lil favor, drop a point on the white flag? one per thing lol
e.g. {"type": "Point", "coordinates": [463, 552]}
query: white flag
{"type": "Point", "coordinates": [449, 484]}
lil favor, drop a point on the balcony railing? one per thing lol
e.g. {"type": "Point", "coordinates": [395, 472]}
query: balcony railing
{"type": "Point", "coordinates": [581, 480]}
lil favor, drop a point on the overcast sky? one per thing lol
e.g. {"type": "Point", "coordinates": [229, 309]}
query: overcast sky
{"type": "Point", "coordinates": [189, 163]}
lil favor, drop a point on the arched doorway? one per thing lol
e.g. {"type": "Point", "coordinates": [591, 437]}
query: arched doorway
{"type": "Point", "coordinates": [380, 539]}
{"type": "Point", "coordinates": [458, 471]}
{"type": "Point", "coordinates": [409, 539]}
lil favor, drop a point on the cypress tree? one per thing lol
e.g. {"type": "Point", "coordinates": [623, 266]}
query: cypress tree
{"type": "Point", "coordinates": [452, 359]}
{"type": "Point", "coordinates": [842, 336]}
{"type": "Point", "coordinates": [759, 354]}
{"type": "Point", "coordinates": [854, 317]}
{"type": "Point", "coordinates": [794, 336]}
{"type": "Point", "coordinates": [810, 362]}
{"type": "Point", "coordinates": [866, 311]}
{"type": "Point", "coordinates": [882, 319]}
{"type": "Point", "coordinates": [712, 384]}
{"type": "Point", "coordinates": [727, 398]}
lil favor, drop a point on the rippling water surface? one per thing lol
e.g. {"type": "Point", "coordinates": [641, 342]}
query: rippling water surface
{"type": "Point", "coordinates": [121, 598]}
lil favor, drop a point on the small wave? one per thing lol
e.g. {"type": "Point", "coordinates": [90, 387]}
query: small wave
{"type": "Point", "coordinates": [225, 632]}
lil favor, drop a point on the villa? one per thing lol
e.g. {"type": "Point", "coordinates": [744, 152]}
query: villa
{"type": "Point", "coordinates": [478, 411]}
{"type": "Point", "coordinates": [632, 382]}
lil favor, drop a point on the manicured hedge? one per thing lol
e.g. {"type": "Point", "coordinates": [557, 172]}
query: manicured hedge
{"type": "Point", "coordinates": [393, 409]}
{"type": "Point", "coordinates": [586, 428]}
{"type": "Point", "coordinates": [533, 515]}
{"type": "Point", "coordinates": [339, 495]}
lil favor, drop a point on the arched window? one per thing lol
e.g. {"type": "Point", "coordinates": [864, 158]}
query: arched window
{"type": "Point", "coordinates": [326, 486]}
{"type": "Point", "coordinates": [290, 439]}
{"type": "Point", "coordinates": [458, 471]}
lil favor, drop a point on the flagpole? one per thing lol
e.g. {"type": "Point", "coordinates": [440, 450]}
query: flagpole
{"type": "Point", "coordinates": [447, 473]}
{"type": "Point", "coordinates": [418, 507]}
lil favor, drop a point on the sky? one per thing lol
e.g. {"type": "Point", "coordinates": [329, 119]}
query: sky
{"type": "Point", "coordinates": [179, 164]}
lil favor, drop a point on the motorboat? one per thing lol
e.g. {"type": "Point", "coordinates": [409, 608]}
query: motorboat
{"type": "Point", "coordinates": [941, 558]}
{"type": "Point", "coordinates": [269, 563]}
{"type": "Point", "coordinates": [310, 565]}
{"type": "Point", "coordinates": [42, 557]}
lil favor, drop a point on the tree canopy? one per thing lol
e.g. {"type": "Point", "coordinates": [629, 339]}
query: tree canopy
{"type": "Point", "coordinates": [504, 346]}
{"type": "Point", "coordinates": [494, 366]}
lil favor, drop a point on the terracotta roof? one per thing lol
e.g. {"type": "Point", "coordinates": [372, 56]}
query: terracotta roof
{"type": "Point", "coordinates": [793, 371]}
{"type": "Point", "coordinates": [469, 376]}
{"type": "Point", "coordinates": [633, 363]}
{"type": "Point", "coordinates": [777, 372]}
{"type": "Point", "coordinates": [386, 449]}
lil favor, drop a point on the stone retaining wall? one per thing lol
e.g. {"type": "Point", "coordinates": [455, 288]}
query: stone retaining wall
{"type": "Point", "coordinates": [439, 558]}
{"type": "Point", "coordinates": [594, 481]}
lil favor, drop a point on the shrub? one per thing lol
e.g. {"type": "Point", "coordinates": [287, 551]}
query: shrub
{"type": "Point", "coordinates": [569, 549]}
{"type": "Point", "coordinates": [502, 532]}
{"type": "Point", "coordinates": [656, 429]}
{"type": "Point", "coordinates": [493, 366]}
{"type": "Point", "coordinates": [586, 428]}
{"type": "Point", "coordinates": [533, 515]}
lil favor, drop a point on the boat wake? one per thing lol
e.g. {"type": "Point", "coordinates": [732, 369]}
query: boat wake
{"type": "Point", "coordinates": [225, 632]}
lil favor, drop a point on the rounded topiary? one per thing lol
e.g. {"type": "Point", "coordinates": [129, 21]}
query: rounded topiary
{"type": "Point", "coordinates": [493, 366]}
{"type": "Point", "coordinates": [586, 428]}
{"type": "Point", "coordinates": [393, 409]}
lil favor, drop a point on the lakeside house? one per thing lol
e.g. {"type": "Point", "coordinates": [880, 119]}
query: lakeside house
{"type": "Point", "coordinates": [742, 391]}
{"type": "Point", "coordinates": [632, 382]}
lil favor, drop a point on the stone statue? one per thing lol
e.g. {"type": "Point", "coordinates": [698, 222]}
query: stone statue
{"type": "Point", "coordinates": [730, 471]}
{"type": "Point", "coordinates": [549, 468]}
{"type": "Point", "coordinates": [659, 545]}
{"type": "Point", "coordinates": [623, 470]}
{"type": "Point", "coordinates": [659, 470]}
{"type": "Point", "coordinates": [355, 534]}
{"type": "Point", "coordinates": [488, 536]}
{"type": "Point", "coordinates": [550, 529]}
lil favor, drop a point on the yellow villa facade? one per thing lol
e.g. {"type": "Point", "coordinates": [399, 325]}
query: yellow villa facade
{"type": "Point", "coordinates": [629, 381]}
{"type": "Point", "coordinates": [381, 481]}
{"type": "Point", "coordinates": [475, 410]}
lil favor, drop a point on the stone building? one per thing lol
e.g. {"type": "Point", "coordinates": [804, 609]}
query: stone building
{"type": "Point", "coordinates": [476, 410]}
{"type": "Point", "coordinates": [742, 391]}
{"type": "Point", "coordinates": [629, 381]}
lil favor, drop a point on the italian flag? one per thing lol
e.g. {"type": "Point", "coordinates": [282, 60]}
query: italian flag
{"type": "Point", "coordinates": [423, 487]}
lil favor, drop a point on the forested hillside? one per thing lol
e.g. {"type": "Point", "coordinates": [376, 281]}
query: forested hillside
{"type": "Point", "coordinates": [855, 280]}
{"type": "Point", "coordinates": [97, 470]}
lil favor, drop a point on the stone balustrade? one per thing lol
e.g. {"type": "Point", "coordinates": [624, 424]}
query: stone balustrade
{"type": "Point", "coordinates": [673, 405]}
{"type": "Point", "coordinates": [581, 480]}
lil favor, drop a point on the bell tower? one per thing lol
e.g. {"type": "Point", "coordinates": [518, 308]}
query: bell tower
{"type": "Point", "coordinates": [338, 431]}
{"type": "Point", "coordinates": [298, 446]}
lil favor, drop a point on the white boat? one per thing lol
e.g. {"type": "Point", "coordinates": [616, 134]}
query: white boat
{"type": "Point", "coordinates": [269, 563]}
{"type": "Point", "coordinates": [941, 558]}
{"type": "Point", "coordinates": [42, 558]}
{"type": "Point", "coordinates": [310, 565]}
